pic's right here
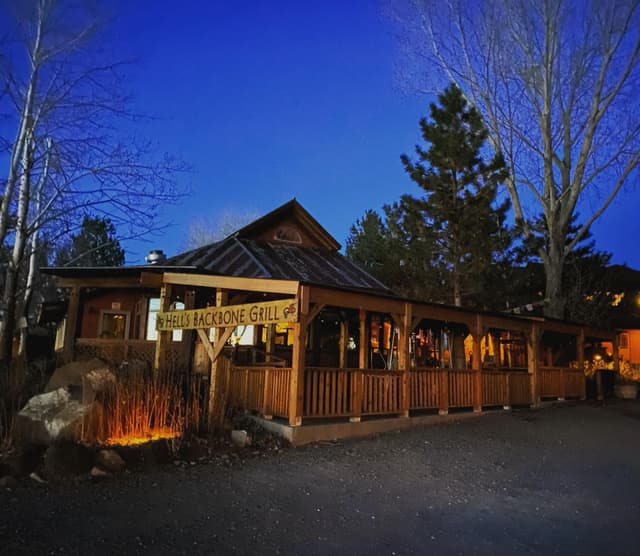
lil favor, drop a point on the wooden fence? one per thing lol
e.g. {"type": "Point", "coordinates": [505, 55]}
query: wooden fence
{"type": "Point", "coordinates": [561, 382]}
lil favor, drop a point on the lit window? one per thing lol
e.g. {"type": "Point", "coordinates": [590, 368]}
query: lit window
{"type": "Point", "coordinates": [114, 325]}
{"type": "Point", "coordinates": [152, 315]}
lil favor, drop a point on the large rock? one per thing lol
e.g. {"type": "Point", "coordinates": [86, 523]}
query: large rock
{"type": "Point", "coordinates": [51, 416]}
{"type": "Point", "coordinates": [87, 377]}
{"type": "Point", "coordinates": [67, 458]}
{"type": "Point", "coordinates": [110, 460]}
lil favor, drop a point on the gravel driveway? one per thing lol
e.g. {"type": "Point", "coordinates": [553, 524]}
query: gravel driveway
{"type": "Point", "coordinates": [562, 480]}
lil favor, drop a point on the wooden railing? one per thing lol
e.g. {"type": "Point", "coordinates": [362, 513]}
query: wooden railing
{"type": "Point", "coordinates": [117, 351]}
{"type": "Point", "coordinates": [262, 389]}
{"type": "Point", "coordinates": [424, 388]}
{"type": "Point", "coordinates": [562, 382]}
{"type": "Point", "coordinates": [381, 392]}
{"type": "Point", "coordinates": [351, 392]}
{"type": "Point", "coordinates": [330, 392]}
{"type": "Point", "coordinates": [460, 388]}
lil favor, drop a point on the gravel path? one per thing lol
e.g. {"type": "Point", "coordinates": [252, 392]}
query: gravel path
{"type": "Point", "coordinates": [562, 480]}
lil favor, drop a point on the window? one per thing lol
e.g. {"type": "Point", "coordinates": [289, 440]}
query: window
{"type": "Point", "coordinates": [114, 325]}
{"type": "Point", "coordinates": [152, 314]}
{"type": "Point", "coordinates": [624, 341]}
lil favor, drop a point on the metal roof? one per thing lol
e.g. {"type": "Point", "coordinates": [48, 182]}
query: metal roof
{"type": "Point", "coordinates": [252, 258]}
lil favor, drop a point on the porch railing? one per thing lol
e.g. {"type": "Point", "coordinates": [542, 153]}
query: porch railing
{"type": "Point", "coordinates": [263, 389]}
{"type": "Point", "coordinates": [562, 382]}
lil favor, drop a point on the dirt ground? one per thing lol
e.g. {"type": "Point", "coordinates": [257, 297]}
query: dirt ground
{"type": "Point", "coordinates": [561, 480]}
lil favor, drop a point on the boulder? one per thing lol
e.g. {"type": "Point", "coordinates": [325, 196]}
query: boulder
{"type": "Point", "coordinates": [98, 473]}
{"type": "Point", "coordinates": [51, 416]}
{"type": "Point", "coordinates": [73, 373]}
{"type": "Point", "coordinates": [110, 460]}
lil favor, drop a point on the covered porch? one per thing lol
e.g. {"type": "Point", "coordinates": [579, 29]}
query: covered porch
{"type": "Point", "coordinates": [342, 355]}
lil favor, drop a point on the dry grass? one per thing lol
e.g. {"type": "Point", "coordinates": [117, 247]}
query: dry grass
{"type": "Point", "coordinates": [136, 408]}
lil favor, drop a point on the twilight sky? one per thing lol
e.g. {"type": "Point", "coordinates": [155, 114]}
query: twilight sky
{"type": "Point", "coordinates": [270, 100]}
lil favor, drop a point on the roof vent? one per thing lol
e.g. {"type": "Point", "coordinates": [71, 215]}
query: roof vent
{"type": "Point", "coordinates": [155, 256]}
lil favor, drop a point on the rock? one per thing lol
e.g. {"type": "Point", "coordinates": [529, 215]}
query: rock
{"type": "Point", "coordinates": [65, 458]}
{"type": "Point", "coordinates": [8, 482]}
{"type": "Point", "coordinates": [51, 416]}
{"type": "Point", "coordinates": [240, 438]}
{"type": "Point", "coordinates": [94, 375]}
{"type": "Point", "coordinates": [110, 460]}
{"type": "Point", "coordinates": [98, 473]}
{"type": "Point", "coordinates": [37, 478]}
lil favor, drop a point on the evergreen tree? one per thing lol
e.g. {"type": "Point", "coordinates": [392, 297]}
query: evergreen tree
{"type": "Point", "coordinates": [458, 206]}
{"type": "Point", "coordinates": [94, 245]}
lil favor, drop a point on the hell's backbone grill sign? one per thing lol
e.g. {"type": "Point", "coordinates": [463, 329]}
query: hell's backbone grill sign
{"type": "Point", "coordinates": [283, 310]}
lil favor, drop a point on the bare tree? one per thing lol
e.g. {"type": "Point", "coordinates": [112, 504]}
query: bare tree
{"type": "Point", "coordinates": [556, 82]}
{"type": "Point", "coordinates": [67, 156]}
{"type": "Point", "coordinates": [205, 230]}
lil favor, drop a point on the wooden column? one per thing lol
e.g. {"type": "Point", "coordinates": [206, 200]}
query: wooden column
{"type": "Point", "coordinates": [71, 324]}
{"type": "Point", "coordinates": [344, 340]}
{"type": "Point", "coordinates": [363, 347]}
{"type": "Point", "coordinates": [163, 337]}
{"type": "Point", "coordinates": [217, 379]}
{"type": "Point", "coordinates": [404, 358]}
{"type": "Point", "coordinates": [580, 361]}
{"type": "Point", "coordinates": [296, 382]}
{"type": "Point", "coordinates": [476, 364]}
{"type": "Point", "coordinates": [188, 335]}
{"type": "Point", "coordinates": [270, 345]}
{"type": "Point", "coordinates": [616, 353]}
{"type": "Point", "coordinates": [533, 348]}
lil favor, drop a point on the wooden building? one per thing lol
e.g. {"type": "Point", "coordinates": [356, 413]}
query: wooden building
{"type": "Point", "coordinates": [285, 325]}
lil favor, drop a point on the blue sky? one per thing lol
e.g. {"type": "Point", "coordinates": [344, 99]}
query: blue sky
{"type": "Point", "coordinates": [273, 100]}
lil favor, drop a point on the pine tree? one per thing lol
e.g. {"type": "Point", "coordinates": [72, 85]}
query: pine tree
{"type": "Point", "coordinates": [459, 206]}
{"type": "Point", "coordinates": [94, 245]}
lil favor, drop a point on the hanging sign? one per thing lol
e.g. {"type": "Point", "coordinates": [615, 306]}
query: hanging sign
{"type": "Point", "coordinates": [282, 310]}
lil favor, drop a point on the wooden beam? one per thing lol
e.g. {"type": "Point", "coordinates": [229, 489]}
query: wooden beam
{"type": "Point", "coordinates": [151, 279]}
{"type": "Point", "coordinates": [296, 382]}
{"type": "Point", "coordinates": [344, 340]}
{"type": "Point", "coordinates": [163, 337]}
{"type": "Point", "coordinates": [208, 346]}
{"type": "Point", "coordinates": [314, 310]}
{"type": "Point", "coordinates": [98, 282]}
{"type": "Point", "coordinates": [265, 285]}
{"type": "Point", "coordinates": [363, 344]}
{"type": "Point", "coordinates": [404, 358]}
{"type": "Point", "coordinates": [443, 313]}
{"type": "Point", "coordinates": [533, 348]}
{"type": "Point", "coordinates": [71, 324]}
{"type": "Point", "coordinates": [476, 363]}
{"type": "Point", "coordinates": [354, 300]}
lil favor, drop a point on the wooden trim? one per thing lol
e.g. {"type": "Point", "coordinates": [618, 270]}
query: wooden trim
{"type": "Point", "coordinates": [97, 282]}
{"type": "Point", "coordinates": [163, 337]}
{"type": "Point", "coordinates": [151, 279]}
{"type": "Point", "coordinates": [354, 300]}
{"type": "Point", "coordinates": [266, 285]}
{"type": "Point", "coordinates": [206, 343]}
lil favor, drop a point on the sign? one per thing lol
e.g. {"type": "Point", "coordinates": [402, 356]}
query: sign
{"type": "Point", "coordinates": [283, 310]}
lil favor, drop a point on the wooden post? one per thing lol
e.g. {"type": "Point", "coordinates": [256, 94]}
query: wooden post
{"type": "Point", "coordinates": [476, 364]}
{"type": "Point", "coordinates": [188, 335]}
{"type": "Point", "coordinates": [599, 388]}
{"type": "Point", "coordinates": [404, 359]}
{"type": "Point", "coordinates": [266, 397]}
{"type": "Point", "coordinates": [562, 394]}
{"type": "Point", "coordinates": [533, 347]}
{"type": "Point", "coordinates": [616, 353]}
{"type": "Point", "coordinates": [507, 392]}
{"type": "Point", "coordinates": [220, 335]}
{"type": "Point", "coordinates": [580, 361]}
{"type": "Point", "coordinates": [444, 392]}
{"type": "Point", "coordinates": [270, 342]}
{"type": "Point", "coordinates": [344, 340]}
{"type": "Point", "coordinates": [296, 384]}
{"type": "Point", "coordinates": [363, 348]}
{"type": "Point", "coordinates": [71, 324]}
{"type": "Point", "coordinates": [164, 336]}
